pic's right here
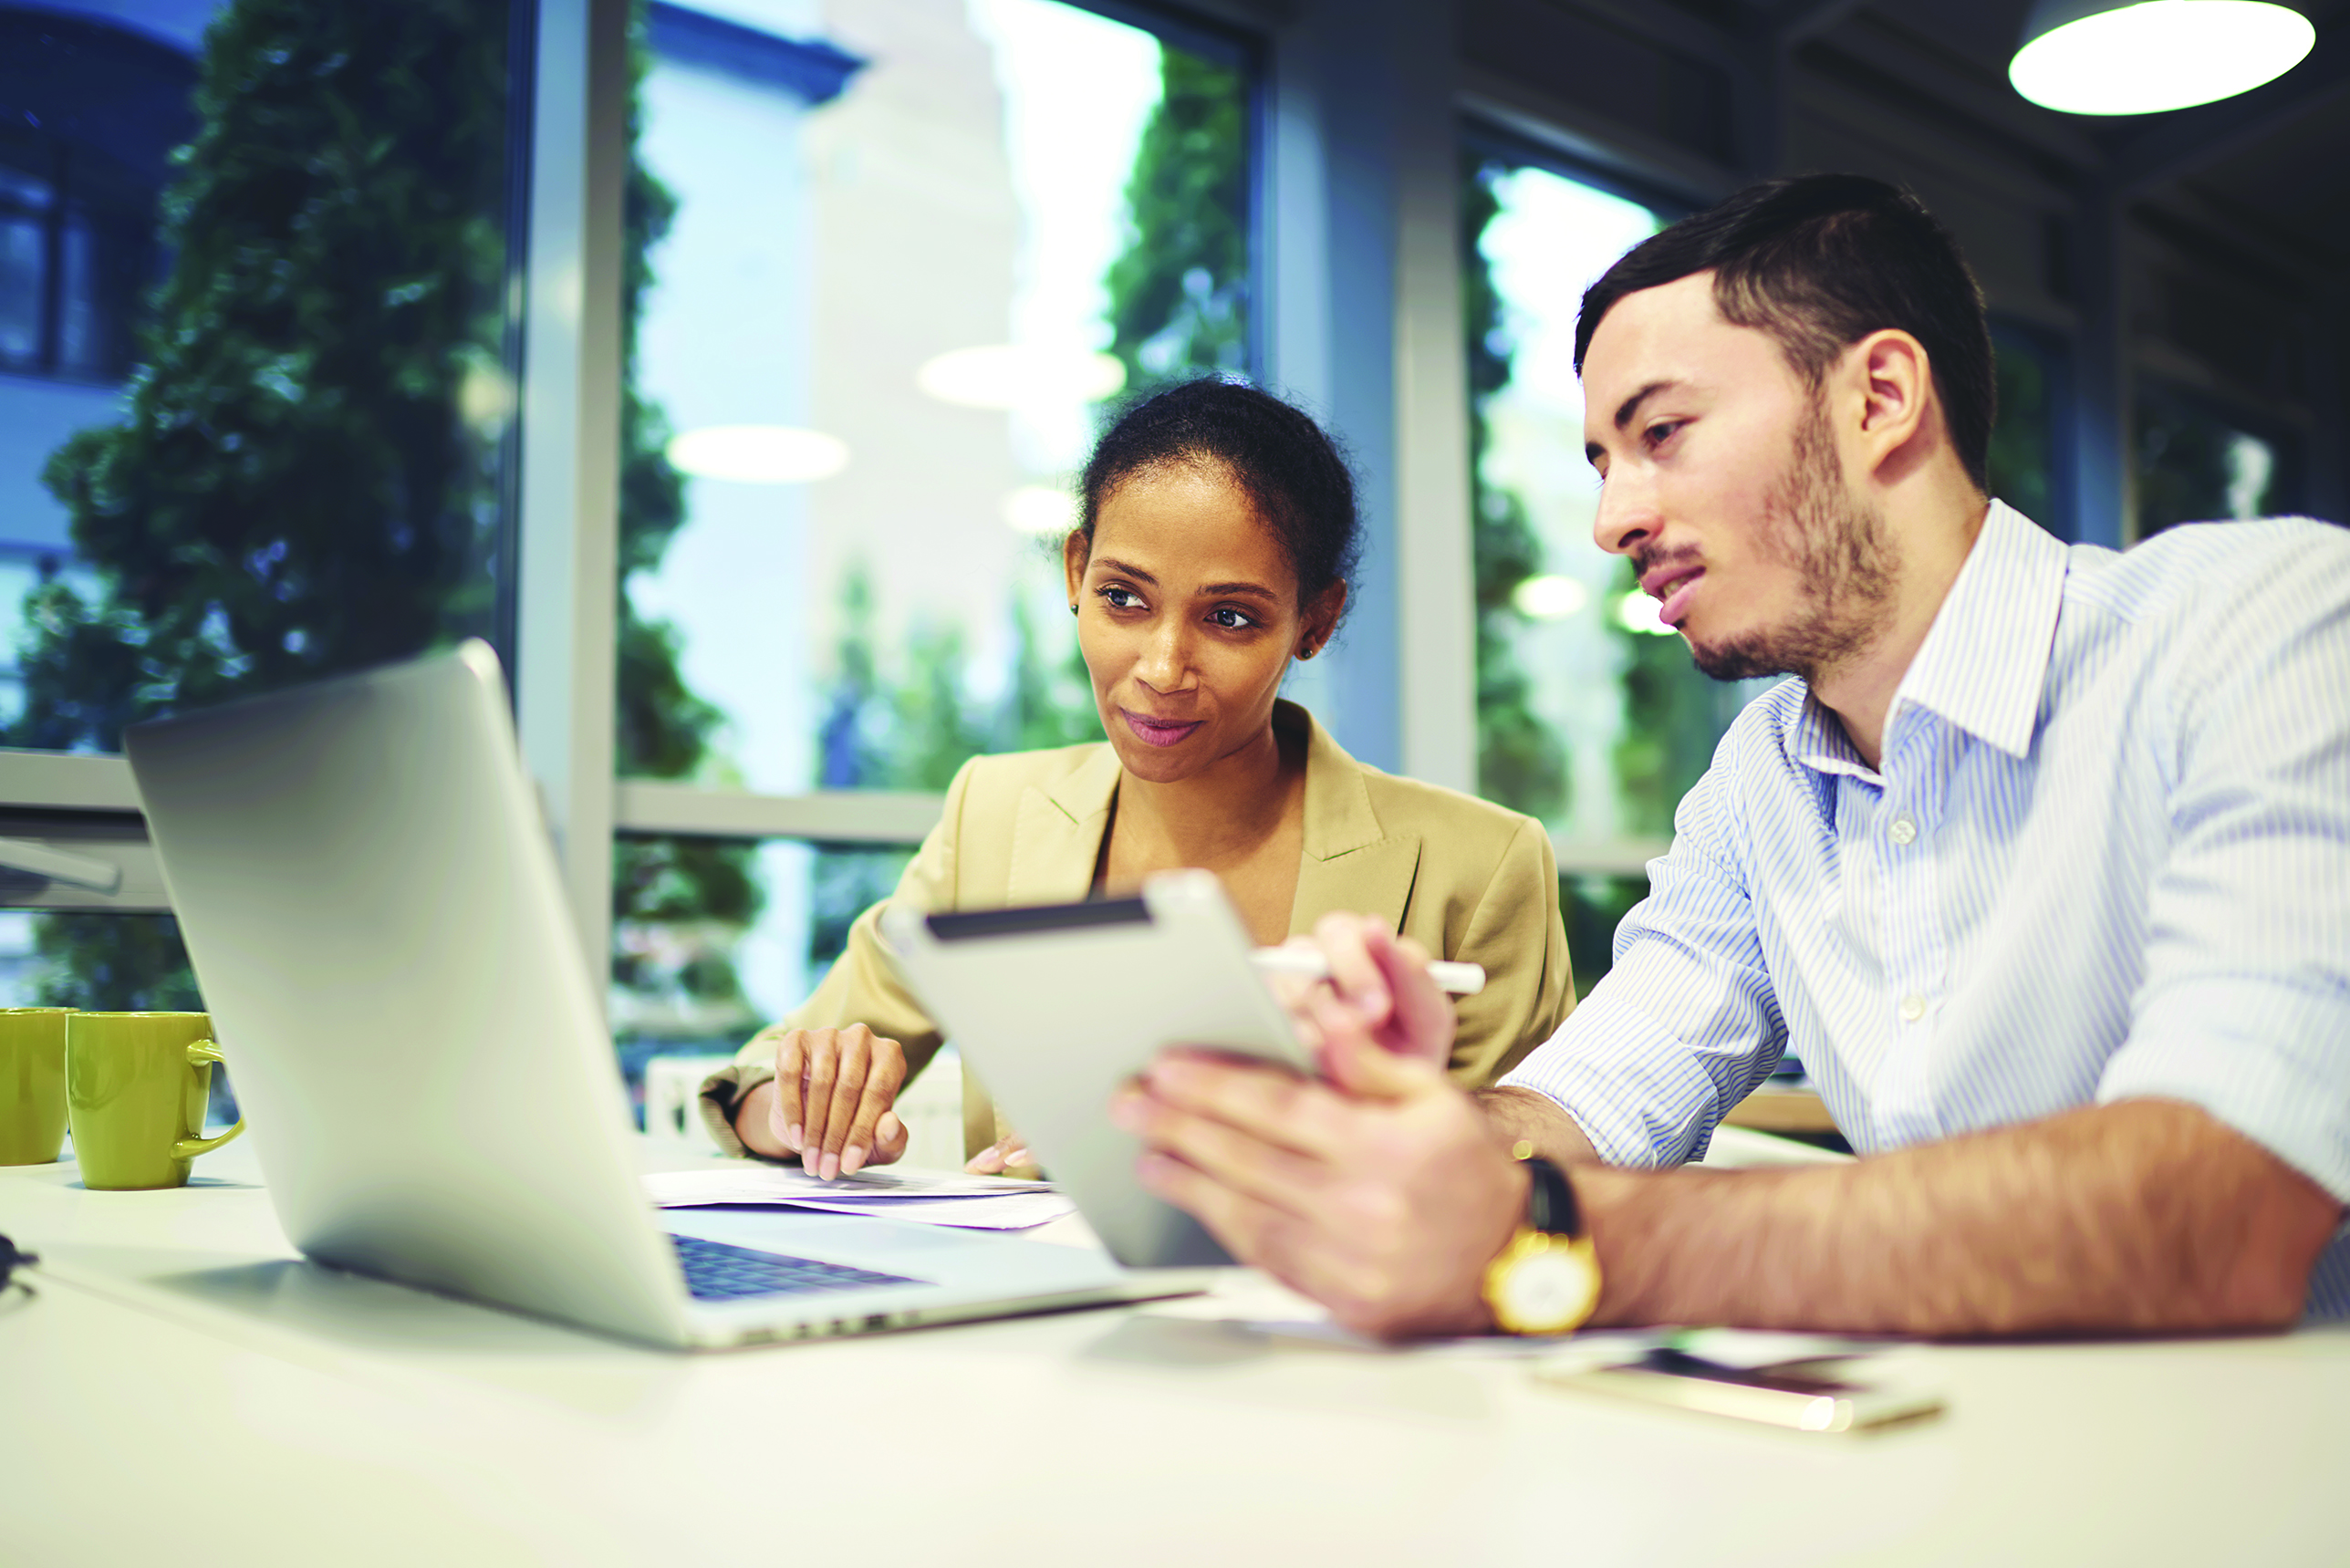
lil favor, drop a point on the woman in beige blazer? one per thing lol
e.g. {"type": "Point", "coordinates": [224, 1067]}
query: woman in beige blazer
{"type": "Point", "coordinates": [1216, 536]}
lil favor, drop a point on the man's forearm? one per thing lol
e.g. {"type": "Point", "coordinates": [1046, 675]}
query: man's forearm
{"type": "Point", "coordinates": [1521, 1116]}
{"type": "Point", "coordinates": [2147, 1216]}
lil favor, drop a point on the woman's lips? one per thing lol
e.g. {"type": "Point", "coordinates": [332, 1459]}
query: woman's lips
{"type": "Point", "coordinates": [1676, 606]}
{"type": "Point", "coordinates": [1158, 731]}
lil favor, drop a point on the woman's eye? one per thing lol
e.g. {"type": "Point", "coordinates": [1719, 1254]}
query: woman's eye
{"type": "Point", "coordinates": [1661, 431]}
{"type": "Point", "coordinates": [1122, 598]}
{"type": "Point", "coordinates": [1230, 618]}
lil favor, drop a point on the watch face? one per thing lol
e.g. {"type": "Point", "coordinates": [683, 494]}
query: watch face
{"type": "Point", "coordinates": [1550, 1291]}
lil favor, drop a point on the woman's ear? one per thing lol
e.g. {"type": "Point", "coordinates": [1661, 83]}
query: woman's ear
{"type": "Point", "coordinates": [1321, 620]}
{"type": "Point", "coordinates": [1076, 550]}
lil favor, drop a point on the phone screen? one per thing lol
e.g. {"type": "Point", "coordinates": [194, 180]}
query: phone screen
{"type": "Point", "coordinates": [1785, 1379]}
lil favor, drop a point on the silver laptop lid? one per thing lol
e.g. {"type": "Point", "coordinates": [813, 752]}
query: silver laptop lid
{"type": "Point", "coordinates": [375, 917]}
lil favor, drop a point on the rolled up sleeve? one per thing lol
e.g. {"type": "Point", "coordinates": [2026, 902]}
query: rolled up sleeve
{"type": "Point", "coordinates": [1684, 1023]}
{"type": "Point", "coordinates": [2244, 1006]}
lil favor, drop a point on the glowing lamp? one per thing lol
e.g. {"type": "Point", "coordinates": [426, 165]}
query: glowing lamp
{"type": "Point", "coordinates": [2112, 57]}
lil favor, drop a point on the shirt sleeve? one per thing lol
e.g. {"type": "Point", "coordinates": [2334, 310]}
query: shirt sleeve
{"type": "Point", "coordinates": [2244, 1006]}
{"type": "Point", "coordinates": [863, 985]}
{"type": "Point", "coordinates": [1684, 1023]}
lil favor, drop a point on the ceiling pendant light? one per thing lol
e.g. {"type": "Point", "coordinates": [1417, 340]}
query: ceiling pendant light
{"type": "Point", "coordinates": [2113, 56]}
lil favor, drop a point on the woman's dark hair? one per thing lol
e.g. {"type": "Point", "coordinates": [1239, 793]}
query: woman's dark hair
{"type": "Point", "coordinates": [1291, 470]}
{"type": "Point", "coordinates": [1820, 262]}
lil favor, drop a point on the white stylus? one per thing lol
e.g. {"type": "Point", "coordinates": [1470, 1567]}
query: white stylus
{"type": "Point", "coordinates": [1308, 963]}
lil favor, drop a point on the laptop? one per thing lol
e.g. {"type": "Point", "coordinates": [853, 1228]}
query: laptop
{"type": "Point", "coordinates": [374, 912]}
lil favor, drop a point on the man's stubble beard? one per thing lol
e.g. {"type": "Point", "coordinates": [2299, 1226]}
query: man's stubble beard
{"type": "Point", "coordinates": [1843, 560]}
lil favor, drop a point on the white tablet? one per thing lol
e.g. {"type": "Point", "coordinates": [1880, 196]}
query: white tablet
{"type": "Point", "coordinates": [1055, 1006]}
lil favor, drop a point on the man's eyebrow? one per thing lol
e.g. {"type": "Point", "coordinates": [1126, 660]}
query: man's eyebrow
{"type": "Point", "coordinates": [1124, 570]}
{"type": "Point", "coordinates": [1592, 452]}
{"type": "Point", "coordinates": [1631, 405]}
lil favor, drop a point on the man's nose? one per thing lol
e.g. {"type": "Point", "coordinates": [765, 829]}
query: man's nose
{"type": "Point", "coordinates": [1626, 513]}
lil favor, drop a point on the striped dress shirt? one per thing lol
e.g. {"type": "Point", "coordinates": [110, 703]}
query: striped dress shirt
{"type": "Point", "coordinates": [2105, 855]}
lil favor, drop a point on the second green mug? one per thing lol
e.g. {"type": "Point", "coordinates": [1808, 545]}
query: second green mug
{"type": "Point", "coordinates": [32, 1084]}
{"type": "Point", "coordinates": [136, 1087]}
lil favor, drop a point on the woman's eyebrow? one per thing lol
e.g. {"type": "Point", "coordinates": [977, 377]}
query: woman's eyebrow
{"type": "Point", "coordinates": [1252, 590]}
{"type": "Point", "coordinates": [1124, 570]}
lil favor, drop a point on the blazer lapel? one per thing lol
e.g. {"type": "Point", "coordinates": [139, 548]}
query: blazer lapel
{"type": "Point", "coordinates": [1351, 863]}
{"type": "Point", "coordinates": [1056, 836]}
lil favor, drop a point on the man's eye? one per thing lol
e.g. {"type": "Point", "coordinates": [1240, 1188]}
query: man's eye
{"type": "Point", "coordinates": [1230, 618]}
{"type": "Point", "coordinates": [1661, 431]}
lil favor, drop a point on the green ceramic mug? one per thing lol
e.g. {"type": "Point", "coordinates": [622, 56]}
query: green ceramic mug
{"type": "Point", "coordinates": [136, 1088]}
{"type": "Point", "coordinates": [32, 1084]}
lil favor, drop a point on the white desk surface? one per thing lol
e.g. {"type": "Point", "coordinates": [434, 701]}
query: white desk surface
{"type": "Point", "coordinates": [183, 1390]}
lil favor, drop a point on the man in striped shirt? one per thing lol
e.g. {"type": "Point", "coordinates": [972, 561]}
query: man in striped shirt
{"type": "Point", "coordinates": [2041, 865]}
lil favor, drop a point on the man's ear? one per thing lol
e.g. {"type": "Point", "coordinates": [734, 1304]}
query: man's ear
{"type": "Point", "coordinates": [1075, 551]}
{"type": "Point", "coordinates": [1897, 402]}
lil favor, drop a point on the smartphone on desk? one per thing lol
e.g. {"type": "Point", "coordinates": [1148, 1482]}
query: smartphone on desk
{"type": "Point", "coordinates": [1826, 1394]}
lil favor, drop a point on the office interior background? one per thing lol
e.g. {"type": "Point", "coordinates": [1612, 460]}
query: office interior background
{"type": "Point", "coordinates": [726, 364]}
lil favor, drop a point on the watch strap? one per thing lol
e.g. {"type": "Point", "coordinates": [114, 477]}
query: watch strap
{"type": "Point", "coordinates": [1551, 1208]}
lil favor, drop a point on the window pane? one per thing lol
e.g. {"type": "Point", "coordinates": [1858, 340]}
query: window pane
{"type": "Point", "coordinates": [714, 938]}
{"type": "Point", "coordinates": [2196, 464]}
{"type": "Point", "coordinates": [255, 365]}
{"type": "Point", "coordinates": [896, 257]}
{"type": "Point", "coordinates": [1590, 714]}
{"type": "Point", "coordinates": [908, 249]}
{"type": "Point", "coordinates": [2023, 440]}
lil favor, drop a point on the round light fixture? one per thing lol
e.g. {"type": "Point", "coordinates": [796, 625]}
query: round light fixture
{"type": "Point", "coordinates": [757, 454]}
{"type": "Point", "coordinates": [1041, 511]}
{"type": "Point", "coordinates": [1009, 375]}
{"type": "Point", "coordinates": [1549, 597]}
{"type": "Point", "coordinates": [2111, 57]}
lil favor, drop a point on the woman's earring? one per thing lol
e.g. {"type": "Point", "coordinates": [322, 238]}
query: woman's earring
{"type": "Point", "coordinates": [1308, 651]}
{"type": "Point", "coordinates": [1072, 610]}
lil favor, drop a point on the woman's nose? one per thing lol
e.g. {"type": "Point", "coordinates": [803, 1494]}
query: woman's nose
{"type": "Point", "coordinates": [1166, 663]}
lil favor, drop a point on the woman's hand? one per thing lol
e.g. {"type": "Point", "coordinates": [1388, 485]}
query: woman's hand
{"type": "Point", "coordinates": [1007, 1156]}
{"type": "Point", "coordinates": [829, 1103]}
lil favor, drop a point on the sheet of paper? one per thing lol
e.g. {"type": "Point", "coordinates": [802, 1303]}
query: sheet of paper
{"type": "Point", "coordinates": [973, 1202]}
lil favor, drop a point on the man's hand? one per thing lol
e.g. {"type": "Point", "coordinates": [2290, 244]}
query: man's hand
{"type": "Point", "coordinates": [1381, 980]}
{"type": "Point", "coordinates": [1382, 1196]}
{"type": "Point", "coordinates": [829, 1103]}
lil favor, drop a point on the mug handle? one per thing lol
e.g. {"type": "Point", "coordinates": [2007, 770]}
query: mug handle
{"type": "Point", "coordinates": [201, 1053]}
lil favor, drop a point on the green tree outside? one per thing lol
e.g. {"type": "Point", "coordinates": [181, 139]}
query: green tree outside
{"type": "Point", "coordinates": [306, 480]}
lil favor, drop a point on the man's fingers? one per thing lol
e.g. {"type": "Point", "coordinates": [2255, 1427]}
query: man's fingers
{"type": "Point", "coordinates": [1350, 944]}
{"type": "Point", "coordinates": [1420, 1021]}
{"type": "Point", "coordinates": [1276, 1106]}
{"type": "Point", "coordinates": [885, 1070]}
{"type": "Point", "coordinates": [1253, 1232]}
{"type": "Point", "coordinates": [1278, 1177]}
{"type": "Point", "coordinates": [788, 1117]}
{"type": "Point", "coordinates": [1355, 1059]}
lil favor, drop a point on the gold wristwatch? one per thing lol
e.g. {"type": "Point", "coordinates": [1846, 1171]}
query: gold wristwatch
{"type": "Point", "coordinates": [1546, 1280]}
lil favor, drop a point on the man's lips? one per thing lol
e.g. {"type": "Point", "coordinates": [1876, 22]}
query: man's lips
{"type": "Point", "coordinates": [1672, 586]}
{"type": "Point", "coordinates": [1158, 731]}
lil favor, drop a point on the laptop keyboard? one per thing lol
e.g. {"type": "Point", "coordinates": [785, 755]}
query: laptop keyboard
{"type": "Point", "coordinates": [716, 1271]}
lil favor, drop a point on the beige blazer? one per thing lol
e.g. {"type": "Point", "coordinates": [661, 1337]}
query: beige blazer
{"type": "Point", "coordinates": [1469, 880]}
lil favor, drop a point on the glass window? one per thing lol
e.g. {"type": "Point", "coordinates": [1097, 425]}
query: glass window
{"type": "Point", "coordinates": [2197, 463]}
{"type": "Point", "coordinates": [1590, 714]}
{"type": "Point", "coordinates": [2022, 457]}
{"type": "Point", "coordinates": [255, 368]}
{"type": "Point", "coordinates": [897, 255]}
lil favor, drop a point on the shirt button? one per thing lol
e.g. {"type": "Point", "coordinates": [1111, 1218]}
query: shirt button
{"type": "Point", "coordinates": [1913, 1008]}
{"type": "Point", "coordinates": [1903, 830]}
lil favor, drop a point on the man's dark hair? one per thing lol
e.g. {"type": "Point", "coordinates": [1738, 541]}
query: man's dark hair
{"type": "Point", "coordinates": [1292, 471]}
{"type": "Point", "coordinates": [1819, 262]}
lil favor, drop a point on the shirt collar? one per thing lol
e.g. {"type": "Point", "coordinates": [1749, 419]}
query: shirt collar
{"type": "Point", "coordinates": [1984, 662]}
